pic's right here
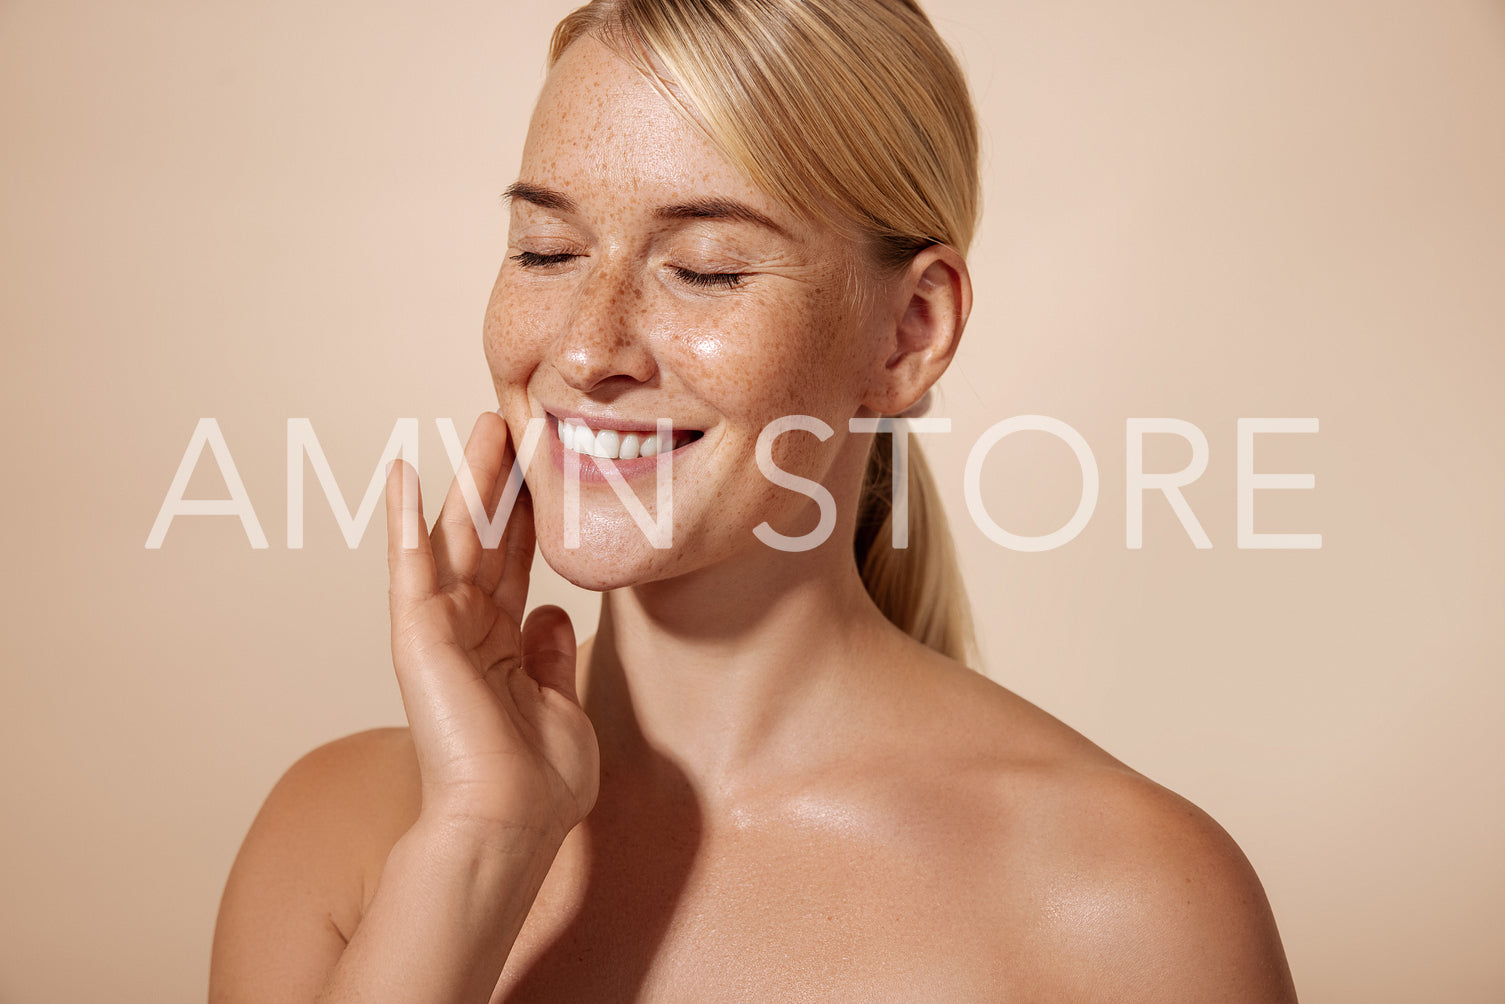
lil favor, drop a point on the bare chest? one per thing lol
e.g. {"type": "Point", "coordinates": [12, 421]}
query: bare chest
{"type": "Point", "coordinates": [791, 916]}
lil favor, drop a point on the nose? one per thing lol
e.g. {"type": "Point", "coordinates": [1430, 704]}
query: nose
{"type": "Point", "coordinates": [603, 337]}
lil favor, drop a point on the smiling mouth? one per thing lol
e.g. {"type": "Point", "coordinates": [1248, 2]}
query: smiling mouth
{"type": "Point", "coordinates": [613, 444]}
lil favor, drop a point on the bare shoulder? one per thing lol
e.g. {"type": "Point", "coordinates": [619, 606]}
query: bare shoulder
{"type": "Point", "coordinates": [1144, 896]}
{"type": "Point", "coordinates": [1100, 883]}
{"type": "Point", "coordinates": [308, 865]}
{"type": "Point", "coordinates": [349, 799]}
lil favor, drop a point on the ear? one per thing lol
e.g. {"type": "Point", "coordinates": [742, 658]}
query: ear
{"type": "Point", "coordinates": [920, 335]}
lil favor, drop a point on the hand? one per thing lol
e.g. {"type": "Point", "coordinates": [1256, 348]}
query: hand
{"type": "Point", "coordinates": [505, 750]}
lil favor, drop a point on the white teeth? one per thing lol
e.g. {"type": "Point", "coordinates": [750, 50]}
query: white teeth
{"type": "Point", "coordinates": [608, 444]}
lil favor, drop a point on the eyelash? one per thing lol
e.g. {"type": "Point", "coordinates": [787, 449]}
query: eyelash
{"type": "Point", "coordinates": [705, 280]}
{"type": "Point", "coordinates": [532, 259]}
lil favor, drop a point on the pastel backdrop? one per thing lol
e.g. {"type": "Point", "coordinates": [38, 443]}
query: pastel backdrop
{"type": "Point", "coordinates": [1206, 212]}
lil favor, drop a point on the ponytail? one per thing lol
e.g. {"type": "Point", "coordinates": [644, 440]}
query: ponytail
{"type": "Point", "coordinates": [920, 587]}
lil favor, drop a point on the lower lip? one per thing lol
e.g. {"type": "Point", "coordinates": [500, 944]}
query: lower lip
{"type": "Point", "coordinates": [592, 472]}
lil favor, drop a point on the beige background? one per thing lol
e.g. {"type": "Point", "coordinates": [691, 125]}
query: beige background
{"type": "Point", "coordinates": [1202, 211]}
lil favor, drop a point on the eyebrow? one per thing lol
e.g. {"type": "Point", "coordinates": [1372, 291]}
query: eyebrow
{"type": "Point", "coordinates": [708, 208]}
{"type": "Point", "coordinates": [717, 208]}
{"type": "Point", "coordinates": [545, 198]}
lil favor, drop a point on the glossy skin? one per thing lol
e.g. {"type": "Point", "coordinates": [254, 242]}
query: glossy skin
{"type": "Point", "coordinates": [619, 331]}
{"type": "Point", "coordinates": [794, 800]}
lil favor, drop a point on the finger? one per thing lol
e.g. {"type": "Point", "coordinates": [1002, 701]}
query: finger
{"type": "Point", "coordinates": [494, 560]}
{"type": "Point", "coordinates": [510, 592]}
{"type": "Point", "coordinates": [458, 547]}
{"type": "Point", "coordinates": [410, 561]}
{"type": "Point", "coordinates": [549, 650]}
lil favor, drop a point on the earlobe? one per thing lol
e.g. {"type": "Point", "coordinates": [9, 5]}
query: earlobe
{"type": "Point", "coordinates": [936, 298]}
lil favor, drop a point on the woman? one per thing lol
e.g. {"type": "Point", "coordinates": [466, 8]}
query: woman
{"type": "Point", "coordinates": [769, 775]}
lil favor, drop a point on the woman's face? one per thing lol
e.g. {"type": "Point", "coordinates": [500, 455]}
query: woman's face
{"type": "Point", "coordinates": [646, 278]}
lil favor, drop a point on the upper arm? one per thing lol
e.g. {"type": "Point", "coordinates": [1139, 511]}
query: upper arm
{"type": "Point", "coordinates": [299, 883]}
{"type": "Point", "coordinates": [1165, 907]}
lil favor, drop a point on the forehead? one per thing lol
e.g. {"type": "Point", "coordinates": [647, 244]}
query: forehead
{"type": "Point", "coordinates": [601, 131]}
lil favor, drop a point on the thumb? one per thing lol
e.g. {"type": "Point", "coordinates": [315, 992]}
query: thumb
{"type": "Point", "coordinates": [549, 650]}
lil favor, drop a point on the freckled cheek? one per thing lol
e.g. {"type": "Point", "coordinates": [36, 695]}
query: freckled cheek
{"type": "Point", "coordinates": [763, 366]}
{"type": "Point", "coordinates": [513, 337]}
{"type": "Point", "coordinates": [801, 453]}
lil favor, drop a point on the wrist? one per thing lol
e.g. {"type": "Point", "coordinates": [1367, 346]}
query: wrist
{"type": "Point", "coordinates": [448, 907]}
{"type": "Point", "coordinates": [460, 836]}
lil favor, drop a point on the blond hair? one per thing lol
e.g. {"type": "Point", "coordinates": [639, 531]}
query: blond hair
{"type": "Point", "coordinates": [856, 114]}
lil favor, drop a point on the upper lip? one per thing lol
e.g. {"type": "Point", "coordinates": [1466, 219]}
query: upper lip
{"type": "Point", "coordinates": [616, 423]}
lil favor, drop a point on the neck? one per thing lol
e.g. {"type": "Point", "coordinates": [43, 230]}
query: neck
{"type": "Point", "coordinates": [730, 673]}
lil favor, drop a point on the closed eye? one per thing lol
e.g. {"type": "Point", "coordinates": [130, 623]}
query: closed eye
{"type": "Point", "coordinates": [705, 280]}
{"type": "Point", "coordinates": [532, 259]}
{"type": "Point", "coordinates": [724, 280]}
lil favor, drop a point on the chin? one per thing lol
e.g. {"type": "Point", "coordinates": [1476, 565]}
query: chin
{"type": "Point", "coordinates": [606, 561]}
